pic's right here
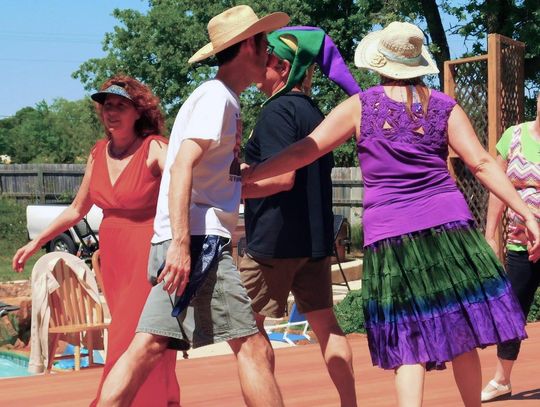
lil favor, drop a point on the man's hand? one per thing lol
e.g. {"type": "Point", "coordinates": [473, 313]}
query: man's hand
{"type": "Point", "coordinates": [175, 274]}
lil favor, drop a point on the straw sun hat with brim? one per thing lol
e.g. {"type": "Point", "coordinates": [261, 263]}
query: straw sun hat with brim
{"type": "Point", "coordinates": [396, 52]}
{"type": "Point", "coordinates": [235, 25]}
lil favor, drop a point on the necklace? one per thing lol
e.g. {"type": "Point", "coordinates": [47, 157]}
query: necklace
{"type": "Point", "coordinates": [119, 155]}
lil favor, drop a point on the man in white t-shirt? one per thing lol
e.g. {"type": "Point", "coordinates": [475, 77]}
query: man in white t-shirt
{"type": "Point", "coordinates": [197, 212]}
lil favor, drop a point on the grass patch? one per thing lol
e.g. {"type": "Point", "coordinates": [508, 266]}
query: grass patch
{"type": "Point", "coordinates": [13, 235]}
{"type": "Point", "coordinates": [7, 273]}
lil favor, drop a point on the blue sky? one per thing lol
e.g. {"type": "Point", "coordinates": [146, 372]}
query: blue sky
{"type": "Point", "coordinates": [42, 42]}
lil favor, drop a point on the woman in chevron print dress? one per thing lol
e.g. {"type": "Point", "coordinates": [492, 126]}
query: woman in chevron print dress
{"type": "Point", "coordinates": [519, 149]}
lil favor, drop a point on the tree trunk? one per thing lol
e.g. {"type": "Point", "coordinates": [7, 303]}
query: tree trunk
{"type": "Point", "coordinates": [438, 35]}
{"type": "Point", "coordinates": [496, 14]}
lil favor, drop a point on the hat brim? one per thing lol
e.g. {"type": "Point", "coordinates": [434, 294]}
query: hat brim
{"type": "Point", "coordinates": [367, 51]}
{"type": "Point", "coordinates": [100, 97]}
{"type": "Point", "coordinates": [270, 22]}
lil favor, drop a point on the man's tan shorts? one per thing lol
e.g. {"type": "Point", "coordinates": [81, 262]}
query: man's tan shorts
{"type": "Point", "coordinates": [268, 282]}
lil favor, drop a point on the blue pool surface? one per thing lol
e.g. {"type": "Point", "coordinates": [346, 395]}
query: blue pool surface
{"type": "Point", "coordinates": [16, 365]}
{"type": "Point", "coordinates": [13, 366]}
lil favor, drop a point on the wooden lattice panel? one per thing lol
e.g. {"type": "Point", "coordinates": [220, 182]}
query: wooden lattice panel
{"type": "Point", "coordinates": [511, 68]}
{"type": "Point", "coordinates": [490, 88]}
{"type": "Point", "coordinates": [507, 105]}
{"type": "Point", "coordinates": [471, 92]}
{"type": "Point", "coordinates": [475, 194]}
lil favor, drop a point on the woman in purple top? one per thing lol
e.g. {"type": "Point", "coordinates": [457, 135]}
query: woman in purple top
{"type": "Point", "coordinates": [433, 289]}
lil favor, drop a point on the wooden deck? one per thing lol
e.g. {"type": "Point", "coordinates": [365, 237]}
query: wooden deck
{"type": "Point", "coordinates": [212, 381]}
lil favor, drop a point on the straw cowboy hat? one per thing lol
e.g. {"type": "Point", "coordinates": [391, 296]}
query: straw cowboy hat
{"type": "Point", "coordinates": [235, 25]}
{"type": "Point", "coordinates": [396, 52]}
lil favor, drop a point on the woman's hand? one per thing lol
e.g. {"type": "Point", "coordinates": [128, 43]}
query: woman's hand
{"type": "Point", "coordinates": [23, 254]}
{"type": "Point", "coordinates": [533, 237]}
{"type": "Point", "coordinates": [246, 170]}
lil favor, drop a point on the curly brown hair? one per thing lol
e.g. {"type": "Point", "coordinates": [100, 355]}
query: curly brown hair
{"type": "Point", "coordinates": [151, 119]}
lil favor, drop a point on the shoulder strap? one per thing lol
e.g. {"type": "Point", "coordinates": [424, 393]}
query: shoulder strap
{"type": "Point", "coordinates": [415, 97]}
{"type": "Point", "coordinates": [99, 146]}
{"type": "Point", "coordinates": [148, 140]}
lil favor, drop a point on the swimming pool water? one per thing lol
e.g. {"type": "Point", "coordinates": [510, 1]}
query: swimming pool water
{"type": "Point", "coordinates": [16, 365]}
{"type": "Point", "coordinates": [12, 367]}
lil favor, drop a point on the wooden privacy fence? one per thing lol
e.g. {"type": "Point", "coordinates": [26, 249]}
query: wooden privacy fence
{"type": "Point", "coordinates": [347, 193]}
{"type": "Point", "coordinates": [490, 88]}
{"type": "Point", "coordinates": [41, 183]}
{"type": "Point", "coordinates": [58, 183]}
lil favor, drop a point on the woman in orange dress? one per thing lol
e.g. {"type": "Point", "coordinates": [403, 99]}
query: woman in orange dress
{"type": "Point", "coordinates": [122, 177]}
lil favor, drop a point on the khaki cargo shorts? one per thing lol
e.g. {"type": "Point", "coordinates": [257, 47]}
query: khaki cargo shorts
{"type": "Point", "coordinates": [220, 311]}
{"type": "Point", "coordinates": [268, 282]}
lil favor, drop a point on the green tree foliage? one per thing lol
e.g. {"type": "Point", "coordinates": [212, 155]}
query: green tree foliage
{"type": "Point", "coordinates": [155, 47]}
{"type": "Point", "coordinates": [62, 132]}
{"type": "Point", "coordinates": [517, 19]}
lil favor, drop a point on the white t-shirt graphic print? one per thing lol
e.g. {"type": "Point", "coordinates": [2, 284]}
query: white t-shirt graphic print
{"type": "Point", "coordinates": [211, 112]}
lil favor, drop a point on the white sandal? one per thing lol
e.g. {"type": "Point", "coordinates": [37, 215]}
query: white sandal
{"type": "Point", "coordinates": [499, 390]}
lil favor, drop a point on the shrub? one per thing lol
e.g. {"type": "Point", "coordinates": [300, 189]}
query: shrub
{"type": "Point", "coordinates": [12, 223]}
{"type": "Point", "coordinates": [357, 237]}
{"type": "Point", "coordinates": [534, 313]}
{"type": "Point", "coordinates": [13, 235]}
{"type": "Point", "coordinates": [351, 317]}
{"type": "Point", "coordinates": [349, 313]}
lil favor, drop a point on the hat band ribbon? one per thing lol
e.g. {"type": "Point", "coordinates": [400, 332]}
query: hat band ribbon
{"type": "Point", "coordinates": [389, 55]}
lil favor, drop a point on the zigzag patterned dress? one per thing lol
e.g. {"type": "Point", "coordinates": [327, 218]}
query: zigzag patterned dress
{"type": "Point", "coordinates": [525, 176]}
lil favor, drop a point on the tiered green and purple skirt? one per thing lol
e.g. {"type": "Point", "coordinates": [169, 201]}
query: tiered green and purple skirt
{"type": "Point", "coordinates": [432, 295]}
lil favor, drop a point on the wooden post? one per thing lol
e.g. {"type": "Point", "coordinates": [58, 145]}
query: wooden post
{"type": "Point", "coordinates": [494, 92]}
{"type": "Point", "coordinates": [450, 90]}
{"type": "Point", "coordinates": [40, 186]}
{"type": "Point", "coordinates": [449, 80]}
{"type": "Point", "coordinates": [494, 112]}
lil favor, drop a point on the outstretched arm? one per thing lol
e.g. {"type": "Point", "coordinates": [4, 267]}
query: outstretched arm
{"type": "Point", "coordinates": [269, 186]}
{"type": "Point", "coordinates": [494, 213]}
{"type": "Point", "coordinates": [462, 138]}
{"type": "Point", "coordinates": [338, 127]}
{"type": "Point", "coordinates": [69, 217]}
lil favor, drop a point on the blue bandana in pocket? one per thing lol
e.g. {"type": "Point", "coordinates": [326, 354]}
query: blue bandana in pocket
{"type": "Point", "coordinates": [205, 251]}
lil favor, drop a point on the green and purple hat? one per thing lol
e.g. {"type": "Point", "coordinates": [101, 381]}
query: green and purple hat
{"type": "Point", "coordinates": [303, 46]}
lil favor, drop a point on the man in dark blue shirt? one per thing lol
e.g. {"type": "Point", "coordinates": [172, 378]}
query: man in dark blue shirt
{"type": "Point", "coordinates": [289, 219]}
